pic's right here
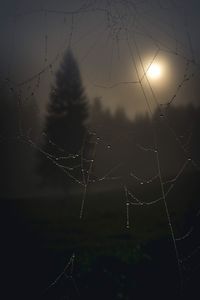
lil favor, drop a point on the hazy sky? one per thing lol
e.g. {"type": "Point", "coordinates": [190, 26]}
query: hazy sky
{"type": "Point", "coordinates": [113, 41]}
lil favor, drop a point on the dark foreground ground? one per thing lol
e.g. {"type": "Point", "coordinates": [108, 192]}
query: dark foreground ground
{"type": "Point", "coordinates": [103, 259]}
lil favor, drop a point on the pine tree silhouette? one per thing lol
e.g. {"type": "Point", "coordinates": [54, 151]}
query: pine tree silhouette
{"type": "Point", "coordinates": [65, 125]}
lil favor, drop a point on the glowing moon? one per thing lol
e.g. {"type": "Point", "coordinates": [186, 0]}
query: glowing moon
{"type": "Point", "coordinates": [154, 71]}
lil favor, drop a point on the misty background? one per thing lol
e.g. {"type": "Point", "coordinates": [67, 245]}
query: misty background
{"type": "Point", "coordinates": [100, 163]}
{"type": "Point", "coordinates": [103, 39]}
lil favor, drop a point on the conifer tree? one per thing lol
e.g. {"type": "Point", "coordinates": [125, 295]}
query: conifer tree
{"type": "Point", "coordinates": [65, 125]}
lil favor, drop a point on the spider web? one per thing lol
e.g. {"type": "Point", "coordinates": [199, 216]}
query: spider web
{"type": "Point", "coordinates": [122, 28]}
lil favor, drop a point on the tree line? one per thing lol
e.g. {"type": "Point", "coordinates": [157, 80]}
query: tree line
{"type": "Point", "coordinates": [64, 150]}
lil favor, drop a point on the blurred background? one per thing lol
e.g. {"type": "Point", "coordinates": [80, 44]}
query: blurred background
{"type": "Point", "coordinates": [100, 151]}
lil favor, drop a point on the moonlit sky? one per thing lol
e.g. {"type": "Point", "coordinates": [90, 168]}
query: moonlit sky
{"type": "Point", "coordinates": [112, 49]}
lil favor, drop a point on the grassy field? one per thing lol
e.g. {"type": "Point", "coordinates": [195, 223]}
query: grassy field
{"type": "Point", "coordinates": [40, 235]}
